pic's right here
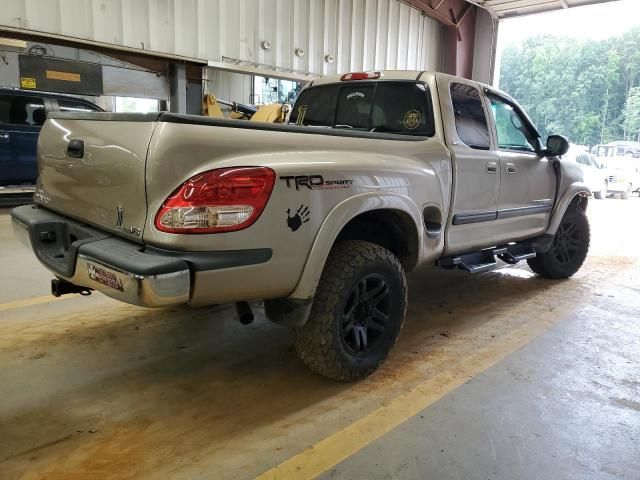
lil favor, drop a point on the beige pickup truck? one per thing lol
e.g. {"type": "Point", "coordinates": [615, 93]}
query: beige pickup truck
{"type": "Point", "coordinates": [376, 174]}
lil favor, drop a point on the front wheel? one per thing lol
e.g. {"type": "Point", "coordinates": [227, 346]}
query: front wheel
{"type": "Point", "coordinates": [602, 194]}
{"type": "Point", "coordinates": [357, 312]}
{"type": "Point", "coordinates": [568, 249]}
{"type": "Point", "coordinates": [625, 195]}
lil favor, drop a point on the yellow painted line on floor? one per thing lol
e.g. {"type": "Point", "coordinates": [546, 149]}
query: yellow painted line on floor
{"type": "Point", "coordinates": [341, 445]}
{"type": "Point", "coordinates": [32, 301]}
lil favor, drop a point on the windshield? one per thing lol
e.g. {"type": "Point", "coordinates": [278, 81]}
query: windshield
{"type": "Point", "coordinates": [604, 151]}
{"type": "Point", "coordinates": [388, 107]}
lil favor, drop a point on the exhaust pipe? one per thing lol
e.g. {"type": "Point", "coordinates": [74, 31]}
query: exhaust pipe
{"type": "Point", "coordinates": [62, 287]}
{"type": "Point", "coordinates": [245, 314]}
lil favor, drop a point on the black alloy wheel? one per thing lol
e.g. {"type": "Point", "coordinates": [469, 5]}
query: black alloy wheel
{"type": "Point", "coordinates": [566, 243]}
{"type": "Point", "coordinates": [569, 247]}
{"type": "Point", "coordinates": [365, 316]}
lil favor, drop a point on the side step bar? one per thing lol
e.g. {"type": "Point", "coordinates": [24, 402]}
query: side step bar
{"type": "Point", "coordinates": [485, 260]}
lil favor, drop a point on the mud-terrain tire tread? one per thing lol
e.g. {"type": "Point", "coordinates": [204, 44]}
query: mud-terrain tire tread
{"type": "Point", "coordinates": [316, 341]}
{"type": "Point", "coordinates": [545, 265]}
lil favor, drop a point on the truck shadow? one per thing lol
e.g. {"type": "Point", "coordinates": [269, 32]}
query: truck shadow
{"type": "Point", "coordinates": [197, 381]}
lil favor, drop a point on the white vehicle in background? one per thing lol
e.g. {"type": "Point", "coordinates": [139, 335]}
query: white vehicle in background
{"type": "Point", "coordinates": [595, 173]}
{"type": "Point", "coordinates": [623, 168]}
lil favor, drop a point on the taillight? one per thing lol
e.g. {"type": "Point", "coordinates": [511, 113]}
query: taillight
{"type": "Point", "coordinates": [360, 76]}
{"type": "Point", "coordinates": [222, 200]}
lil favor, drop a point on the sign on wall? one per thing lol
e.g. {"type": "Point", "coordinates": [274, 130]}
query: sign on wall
{"type": "Point", "coordinates": [65, 76]}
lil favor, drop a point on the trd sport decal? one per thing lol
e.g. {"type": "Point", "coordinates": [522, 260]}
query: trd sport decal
{"type": "Point", "coordinates": [298, 219]}
{"type": "Point", "coordinates": [315, 182]}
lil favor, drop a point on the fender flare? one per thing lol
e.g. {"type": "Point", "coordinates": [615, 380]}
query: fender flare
{"type": "Point", "coordinates": [573, 190]}
{"type": "Point", "coordinates": [333, 224]}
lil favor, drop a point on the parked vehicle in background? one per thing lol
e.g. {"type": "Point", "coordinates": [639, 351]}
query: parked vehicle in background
{"type": "Point", "coordinates": [595, 173]}
{"type": "Point", "coordinates": [623, 168]}
{"type": "Point", "coordinates": [22, 114]}
{"type": "Point", "coordinates": [620, 149]}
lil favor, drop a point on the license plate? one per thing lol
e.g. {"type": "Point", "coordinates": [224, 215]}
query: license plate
{"type": "Point", "coordinates": [104, 276]}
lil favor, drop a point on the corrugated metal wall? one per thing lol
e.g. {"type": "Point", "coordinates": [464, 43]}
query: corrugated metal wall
{"type": "Point", "coordinates": [359, 34]}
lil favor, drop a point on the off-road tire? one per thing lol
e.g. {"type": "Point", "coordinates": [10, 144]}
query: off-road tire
{"type": "Point", "coordinates": [322, 343]}
{"type": "Point", "coordinates": [568, 250]}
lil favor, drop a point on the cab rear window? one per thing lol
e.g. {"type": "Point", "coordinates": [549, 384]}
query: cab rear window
{"type": "Point", "coordinates": [387, 107]}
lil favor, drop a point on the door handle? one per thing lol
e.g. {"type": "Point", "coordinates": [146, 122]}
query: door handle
{"type": "Point", "coordinates": [492, 167]}
{"type": "Point", "coordinates": [510, 168]}
{"type": "Point", "coordinates": [5, 137]}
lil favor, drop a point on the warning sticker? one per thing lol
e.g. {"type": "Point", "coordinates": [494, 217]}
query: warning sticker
{"type": "Point", "coordinates": [104, 277]}
{"type": "Point", "coordinates": [27, 82]}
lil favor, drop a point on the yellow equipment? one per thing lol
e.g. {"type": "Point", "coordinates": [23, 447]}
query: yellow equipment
{"type": "Point", "coordinates": [272, 113]}
{"type": "Point", "coordinates": [211, 107]}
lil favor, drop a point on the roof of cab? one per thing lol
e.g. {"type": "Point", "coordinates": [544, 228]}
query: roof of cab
{"type": "Point", "coordinates": [384, 75]}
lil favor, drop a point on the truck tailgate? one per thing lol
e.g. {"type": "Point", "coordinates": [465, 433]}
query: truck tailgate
{"type": "Point", "coordinates": [92, 168]}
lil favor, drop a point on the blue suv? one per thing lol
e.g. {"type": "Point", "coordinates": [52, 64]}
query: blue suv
{"type": "Point", "coordinates": [22, 113]}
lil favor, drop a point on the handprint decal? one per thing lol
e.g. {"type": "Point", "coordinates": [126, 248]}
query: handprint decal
{"type": "Point", "coordinates": [301, 216]}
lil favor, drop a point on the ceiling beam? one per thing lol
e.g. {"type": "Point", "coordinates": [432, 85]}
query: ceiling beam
{"type": "Point", "coordinates": [432, 12]}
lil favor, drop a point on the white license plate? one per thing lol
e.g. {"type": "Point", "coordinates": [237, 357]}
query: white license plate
{"type": "Point", "coordinates": [104, 276]}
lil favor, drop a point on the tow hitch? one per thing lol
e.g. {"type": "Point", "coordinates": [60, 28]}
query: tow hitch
{"type": "Point", "coordinates": [62, 287]}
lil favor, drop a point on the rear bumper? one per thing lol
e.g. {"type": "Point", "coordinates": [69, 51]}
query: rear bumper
{"type": "Point", "coordinates": [118, 268]}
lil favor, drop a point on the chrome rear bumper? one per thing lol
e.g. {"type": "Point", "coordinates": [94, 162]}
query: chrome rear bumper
{"type": "Point", "coordinates": [116, 267]}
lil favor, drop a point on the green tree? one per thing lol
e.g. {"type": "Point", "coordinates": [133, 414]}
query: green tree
{"type": "Point", "coordinates": [632, 115]}
{"type": "Point", "coordinates": [577, 88]}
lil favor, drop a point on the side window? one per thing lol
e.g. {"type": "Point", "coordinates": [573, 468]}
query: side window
{"type": "Point", "coordinates": [510, 127]}
{"type": "Point", "coordinates": [73, 106]}
{"type": "Point", "coordinates": [471, 121]}
{"type": "Point", "coordinates": [19, 110]}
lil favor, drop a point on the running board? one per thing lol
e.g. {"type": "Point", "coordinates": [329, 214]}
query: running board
{"type": "Point", "coordinates": [485, 260]}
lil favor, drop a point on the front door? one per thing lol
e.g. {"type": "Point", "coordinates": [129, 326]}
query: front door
{"type": "Point", "coordinates": [527, 180]}
{"type": "Point", "coordinates": [475, 166]}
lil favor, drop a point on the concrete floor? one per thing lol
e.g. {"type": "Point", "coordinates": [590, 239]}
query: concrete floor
{"type": "Point", "coordinates": [496, 376]}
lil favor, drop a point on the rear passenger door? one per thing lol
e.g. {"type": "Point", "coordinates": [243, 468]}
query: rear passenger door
{"type": "Point", "coordinates": [527, 179]}
{"type": "Point", "coordinates": [475, 166]}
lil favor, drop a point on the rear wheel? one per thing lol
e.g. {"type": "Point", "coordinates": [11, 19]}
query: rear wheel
{"type": "Point", "coordinates": [357, 312]}
{"type": "Point", "coordinates": [568, 249]}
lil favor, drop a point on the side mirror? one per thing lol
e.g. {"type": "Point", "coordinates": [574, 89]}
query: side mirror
{"type": "Point", "coordinates": [557, 145]}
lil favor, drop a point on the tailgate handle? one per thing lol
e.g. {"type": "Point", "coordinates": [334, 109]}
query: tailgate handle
{"type": "Point", "coordinates": [75, 148]}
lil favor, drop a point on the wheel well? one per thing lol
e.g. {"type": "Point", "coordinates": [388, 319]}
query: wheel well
{"type": "Point", "coordinates": [392, 229]}
{"type": "Point", "coordinates": [580, 201]}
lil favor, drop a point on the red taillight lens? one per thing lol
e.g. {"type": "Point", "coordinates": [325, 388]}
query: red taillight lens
{"type": "Point", "coordinates": [216, 201]}
{"type": "Point", "coordinates": [360, 76]}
